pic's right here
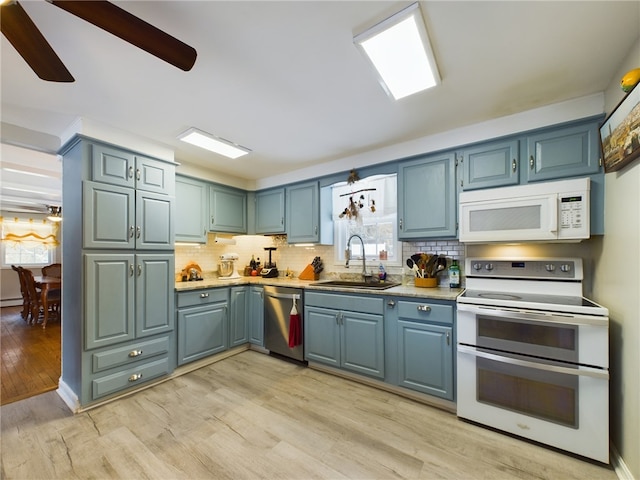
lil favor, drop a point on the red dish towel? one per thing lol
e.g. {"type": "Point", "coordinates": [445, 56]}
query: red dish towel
{"type": "Point", "coordinates": [295, 326]}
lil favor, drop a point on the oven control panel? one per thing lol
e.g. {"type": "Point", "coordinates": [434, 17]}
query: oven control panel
{"type": "Point", "coordinates": [539, 268]}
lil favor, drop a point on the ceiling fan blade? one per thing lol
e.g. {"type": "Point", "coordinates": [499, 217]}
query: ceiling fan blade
{"type": "Point", "coordinates": [31, 45]}
{"type": "Point", "coordinates": [132, 29]}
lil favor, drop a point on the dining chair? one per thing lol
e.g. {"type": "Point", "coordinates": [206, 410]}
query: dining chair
{"type": "Point", "coordinates": [24, 292]}
{"type": "Point", "coordinates": [35, 297]}
{"type": "Point", "coordinates": [53, 270]}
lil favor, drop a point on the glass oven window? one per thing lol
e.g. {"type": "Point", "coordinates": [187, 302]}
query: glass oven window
{"type": "Point", "coordinates": [541, 394]}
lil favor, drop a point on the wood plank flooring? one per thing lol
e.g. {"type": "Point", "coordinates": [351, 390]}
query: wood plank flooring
{"type": "Point", "coordinates": [30, 356]}
{"type": "Point", "coordinates": [253, 416]}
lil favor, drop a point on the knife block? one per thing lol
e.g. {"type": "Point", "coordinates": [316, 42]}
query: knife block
{"type": "Point", "coordinates": [308, 274]}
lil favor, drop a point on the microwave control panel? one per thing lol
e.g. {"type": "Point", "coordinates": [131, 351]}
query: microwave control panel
{"type": "Point", "coordinates": [573, 214]}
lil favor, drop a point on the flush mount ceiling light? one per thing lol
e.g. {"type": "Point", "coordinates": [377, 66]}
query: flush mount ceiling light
{"type": "Point", "coordinates": [212, 143]}
{"type": "Point", "coordinates": [399, 49]}
{"type": "Point", "coordinates": [55, 213]}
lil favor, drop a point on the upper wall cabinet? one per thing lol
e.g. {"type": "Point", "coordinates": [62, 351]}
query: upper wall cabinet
{"type": "Point", "coordinates": [493, 164]}
{"type": "Point", "coordinates": [118, 167]}
{"type": "Point", "coordinates": [308, 214]}
{"type": "Point", "coordinates": [227, 210]}
{"type": "Point", "coordinates": [562, 152]}
{"type": "Point", "coordinates": [191, 210]}
{"type": "Point", "coordinates": [427, 197]}
{"type": "Point", "coordinates": [270, 211]}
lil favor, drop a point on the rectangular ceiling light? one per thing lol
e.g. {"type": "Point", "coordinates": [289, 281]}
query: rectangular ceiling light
{"type": "Point", "coordinates": [399, 49]}
{"type": "Point", "coordinates": [214, 144]}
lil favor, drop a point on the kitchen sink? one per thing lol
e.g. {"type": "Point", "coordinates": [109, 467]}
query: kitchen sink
{"type": "Point", "coordinates": [356, 285]}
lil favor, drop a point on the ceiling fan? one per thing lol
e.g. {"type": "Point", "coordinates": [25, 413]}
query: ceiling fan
{"type": "Point", "coordinates": [25, 37]}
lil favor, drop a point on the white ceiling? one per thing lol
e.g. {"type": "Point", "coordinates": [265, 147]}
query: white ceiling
{"type": "Point", "coordinates": [285, 80]}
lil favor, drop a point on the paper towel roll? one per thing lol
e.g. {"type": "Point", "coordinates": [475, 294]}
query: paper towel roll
{"type": "Point", "coordinates": [225, 241]}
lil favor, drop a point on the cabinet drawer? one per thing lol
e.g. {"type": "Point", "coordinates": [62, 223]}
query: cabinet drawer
{"type": "Point", "coordinates": [134, 352]}
{"type": "Point", "coordinates": [352, 303]}
{"type": "Point", "coordinates": [426, 312]}
{"type": "Point", "coordinates": [128, 378]}
{"type": "Point", "coordinates": [202, 297]}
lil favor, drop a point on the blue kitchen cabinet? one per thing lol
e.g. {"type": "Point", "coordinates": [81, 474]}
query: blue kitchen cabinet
{"type": "Point", "coordinates": [350, 335]}
{"type": "Point", "coordinates": [119, 318]}
{"type": "Point", "coordinates": [227, 209]}
{"type": "Point", "coordinates": [256, 315]}
{"type": "Point", "coordinates": [303, 212]}
{"type": "Point", "coordinates": [270, 211]}
{"type": "Point", "coordinates": [191, 210]}
{"type": "Point", "coordinates": [119, 167]}
{"type": "Point", "coordinates": [492, 164]}
{"type": "Point", "coordinates": [422, 333]}
{"type": "Point", "coordinates": [203, 323]}
{"type": "Point", "coordinates": [427, 205]}
{"type": "Point", "coordinates": [569, 151]}
{"type": "Point", "coordinates": [238, 316]}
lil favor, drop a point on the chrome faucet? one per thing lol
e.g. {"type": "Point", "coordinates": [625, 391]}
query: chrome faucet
{"type": "Point", "coordinates": [364, 261]}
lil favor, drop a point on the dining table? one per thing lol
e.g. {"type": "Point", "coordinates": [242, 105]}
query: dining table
{"type": "Point", "coordinates": [45, 284]}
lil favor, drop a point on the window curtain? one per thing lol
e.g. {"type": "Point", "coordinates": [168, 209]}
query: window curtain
{"type": "Point", "coordinates": [30, 231]}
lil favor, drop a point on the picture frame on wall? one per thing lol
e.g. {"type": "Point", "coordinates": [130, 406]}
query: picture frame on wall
{"type": "Point", "coordinates": [620, 133]}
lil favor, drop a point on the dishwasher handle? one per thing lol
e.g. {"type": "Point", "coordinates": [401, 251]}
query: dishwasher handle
{"type": "Point", "coordinates": [288, 296]}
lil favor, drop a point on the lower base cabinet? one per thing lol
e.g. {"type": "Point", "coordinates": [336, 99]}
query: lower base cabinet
{"type": "Point", "coordinates": [349, 336]}
{"type": "Point", "coordinates": [203, 323]}
{"type": "Point", "coordinates": [425, 347]}
{"type": "Point", "coordinates": [256, 315]}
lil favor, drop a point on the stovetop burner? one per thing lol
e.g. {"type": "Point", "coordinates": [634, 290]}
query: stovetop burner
{"type": "Point", "coordinates": [499, 296]}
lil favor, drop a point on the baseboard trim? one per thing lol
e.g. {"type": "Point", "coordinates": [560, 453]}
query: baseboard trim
{"type": "Point", "coordinates": [619, 467]}
{"type": "Point", "coordinates": [68, 396]}
{"type": "Point", "coordinates": [11, 302]}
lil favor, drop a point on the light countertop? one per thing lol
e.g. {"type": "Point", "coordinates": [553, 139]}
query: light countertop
{"type": "Point", "coordinates": [437, 293]}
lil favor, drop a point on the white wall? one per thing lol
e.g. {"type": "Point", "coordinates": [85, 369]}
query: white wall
{"type": "Point", "coordinates": [617, 286]}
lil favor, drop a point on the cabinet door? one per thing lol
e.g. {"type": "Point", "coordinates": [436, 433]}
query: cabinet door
{"type": "Point", "coordinates": [238, 318]}
{"type": "Point", "coordinates": [108, 216]}
{"type": "Point", "coordinates": [227, 210]}
{"type": "Point", "coordinates": [109, 290]}
{"type": "Point", "coordinates": [426, 197]}
{"type": "Point", "coordinates": [362, 346]}
{"type": "Point", "coordinates": [154, 221]}
{"type": "Point", "coordinates": [155, 176]}
{"type": "Point", "coordinates": [303, 213]}
{"type": "Point", "coordinates": [425, 358]}
{"type": "Point", "coordinates": [563, 152]}
{"type": "Point", "coordinates": [112, 166]}
{"type": "Point", "coordinates": [322, 336]}
{"type": "Point", "coordinates": [270, 211]}
{"type": "Point", "coordinates": [191, 210]}
{"type": "Point", "coordinates": [490, 165]}
{"type": "Point", "coordinates": [202, 331]}
{"type": "Point", "coordinates": [256, 316]}
{"type": "Point", "coordinates": [154, 294]}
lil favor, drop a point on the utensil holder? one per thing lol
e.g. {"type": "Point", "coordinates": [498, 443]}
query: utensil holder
{"type": "Point", "coordinates": [426, 282]}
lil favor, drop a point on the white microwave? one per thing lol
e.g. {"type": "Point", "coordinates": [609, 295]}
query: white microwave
{"type": "Point", "coordinates": [541, 212]}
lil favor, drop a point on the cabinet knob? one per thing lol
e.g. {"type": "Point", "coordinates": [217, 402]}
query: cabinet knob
{"type": "Point", "coordinates": [204, 295]}
{"type": "Point", "coordinates": [532, 162]}
{"type": "Point", "coordinates": [137, 174]}
{"type": "Point", "coordinates": [400, 224]}
{"type": "Point", "coordinates": [135, 377]}
{"type": "Point", "coordinates": [132, 230]}
{"type": "Point", "coordinates": [514, 165]}
{"type": "Point", "coordinates": [138, 232]}
{"type": "Point", "coordinates": [139, 269]}
{"type": "Point", "coordinates": [130, 172]}
{"type": "Point", "coordinates": [448, 338]}
{"type": "Point", "coordinates": [131, 270]}
{"type": "Point", "coordinates": [391, 303]}
{"type": "Point", "coordinates": [424, 308]}
{"type": "Point", "coordinates": [135, 353]}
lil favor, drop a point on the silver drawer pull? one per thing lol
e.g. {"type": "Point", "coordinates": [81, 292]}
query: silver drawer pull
{"type": "Point", "coordinates": [135, 377]}
{"type": "Point", "coordinates": [424, 308]}
{"type": "Point", "coordinates": [204, 295]}
{"type": "Point", "coordinates": [135, 353]}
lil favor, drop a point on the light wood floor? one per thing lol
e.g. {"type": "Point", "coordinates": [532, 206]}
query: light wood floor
{"type": "Point", "coordinates": [30, 356]}
{"type": "Point", "coordinates": [254, 416]}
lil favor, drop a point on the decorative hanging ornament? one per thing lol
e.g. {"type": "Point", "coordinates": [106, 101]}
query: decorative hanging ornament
{"type": "Point", "coordinates": [353, 177]}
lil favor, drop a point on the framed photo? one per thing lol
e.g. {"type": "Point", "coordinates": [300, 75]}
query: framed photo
{"type": "Point", "coordinates": [620, 133]}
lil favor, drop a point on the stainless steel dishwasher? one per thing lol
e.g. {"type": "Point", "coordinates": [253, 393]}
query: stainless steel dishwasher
{"type": "Point", "coordinates": [277, 309]}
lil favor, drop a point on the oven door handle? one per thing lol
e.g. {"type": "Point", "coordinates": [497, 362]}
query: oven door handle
{"type": "Point", "coordinates": [580, 371]}
{"type": "Point", "coordinates": [568, 319]}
